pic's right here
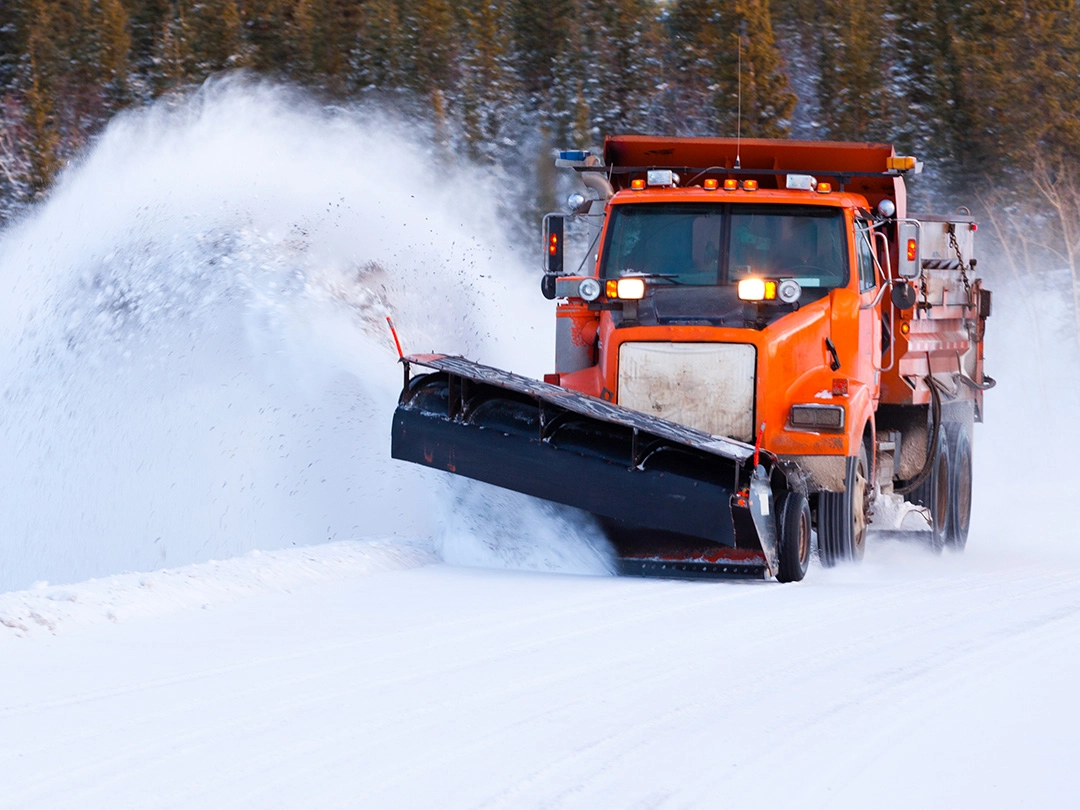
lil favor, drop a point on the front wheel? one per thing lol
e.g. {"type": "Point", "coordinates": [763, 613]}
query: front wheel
{"type": "Point", "coordinates": [843, 516]}
{"type": "Point", "coordinates": [793, 523]}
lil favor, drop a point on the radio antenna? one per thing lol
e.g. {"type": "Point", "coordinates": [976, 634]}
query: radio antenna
{"type": "Point", "coordinates": [738, 118]}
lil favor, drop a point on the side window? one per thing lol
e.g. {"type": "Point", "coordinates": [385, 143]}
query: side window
{"type": "Point", "coordinates": [867, 278]}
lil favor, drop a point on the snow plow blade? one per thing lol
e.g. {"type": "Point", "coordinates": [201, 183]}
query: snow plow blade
{"type": "Point", "coordinates": [673, 500]}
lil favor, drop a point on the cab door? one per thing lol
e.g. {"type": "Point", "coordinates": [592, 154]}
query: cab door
{"type": "Point", "coordinates": [868, 369]}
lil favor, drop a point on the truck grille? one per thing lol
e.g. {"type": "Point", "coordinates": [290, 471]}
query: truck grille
{"type": "Point", "coordinates": [708, 386]}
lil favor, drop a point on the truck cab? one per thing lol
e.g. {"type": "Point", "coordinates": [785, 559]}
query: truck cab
{"type": "Point", "coordinates": [761, 299]}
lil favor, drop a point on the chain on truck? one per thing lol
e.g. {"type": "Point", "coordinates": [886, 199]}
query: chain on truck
{"type": "Point", "coordinates": [761, 344]}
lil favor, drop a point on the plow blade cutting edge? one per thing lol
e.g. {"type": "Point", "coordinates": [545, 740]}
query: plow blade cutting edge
{"type": "Point", "coordinates": [672, 499]}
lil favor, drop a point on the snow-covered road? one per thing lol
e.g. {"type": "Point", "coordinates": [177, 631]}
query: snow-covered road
{"type": "Point", "coordinates": [912, 681]}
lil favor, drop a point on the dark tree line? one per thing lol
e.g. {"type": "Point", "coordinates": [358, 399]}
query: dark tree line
{"type": "Point", "coordinates": [980, 86]}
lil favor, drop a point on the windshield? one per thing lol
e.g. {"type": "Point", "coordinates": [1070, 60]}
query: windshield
{"type": "Point", "coordinates": [705, 244]}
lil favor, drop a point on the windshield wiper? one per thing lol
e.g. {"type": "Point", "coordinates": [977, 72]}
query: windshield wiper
{"type": "Point", "coordinates": [672, 278]}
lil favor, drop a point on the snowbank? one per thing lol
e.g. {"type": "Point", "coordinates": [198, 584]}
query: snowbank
{"type": "Point", "coordinates": [124, 597]}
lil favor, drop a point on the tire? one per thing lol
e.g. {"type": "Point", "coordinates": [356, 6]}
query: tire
{"type": "Point", "coordinates": [843, 516]}
{"type": "Point", "coordinates": [960, 471]}
{"type": "Point", "coordinates": [934, 492]}
{"type": "Point", "coordinates": [793, 525]}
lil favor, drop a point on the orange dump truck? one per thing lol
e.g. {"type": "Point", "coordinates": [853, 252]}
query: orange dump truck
{"type": "Point", "coordinates": [761, 342]}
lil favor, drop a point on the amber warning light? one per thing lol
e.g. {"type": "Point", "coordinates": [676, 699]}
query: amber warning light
{"type": "Point", "coordinates": [554, 244]}
{"type": "Point", "coordinates": [912, 249]}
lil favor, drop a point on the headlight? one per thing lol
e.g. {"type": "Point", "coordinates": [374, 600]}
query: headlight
{"type": "Point", "coordinates": [757, 289]}
{"type": "Point", "coordinates": [830, 417]}
{"type": "Point", "coordinates": [789, 291]}
{"type": "Point", "coordinates": [626, 288]}
{"type": "Point", "coordinates": [589, 289]}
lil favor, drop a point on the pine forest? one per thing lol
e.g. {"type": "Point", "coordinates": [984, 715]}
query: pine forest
{"type": "Point", "coordinates": [982, 91]}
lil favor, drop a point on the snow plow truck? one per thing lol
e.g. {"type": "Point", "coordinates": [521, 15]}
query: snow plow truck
{"type": "Point", "coordinates": [760, 344]}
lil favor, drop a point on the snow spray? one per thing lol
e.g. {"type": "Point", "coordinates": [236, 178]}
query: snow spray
{"type": "Point", "coordinates": [195, 361]}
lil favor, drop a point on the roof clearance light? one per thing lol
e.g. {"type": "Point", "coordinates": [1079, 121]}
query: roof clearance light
{"type": "Point", "coordinates": [731, 185]}
{"type": "Point", "coordinates": [749, 185]}
{"type": "Point", "coordinates": [631, 289]}
{"type": "Point", "coordinates": [711, 184]}
{"type": "Point", "coordinates": [637, 184]}
{"type": "Point", "coordinates": [663, 177]}
{"type": "Point", "coordinates": [752, 289]}
{"type": "Point", "coordinates": [824, 188]}
{"type": "Point", "coordinates": [801, 182]}
{"type": "Point", "coordinates": [900, 163]}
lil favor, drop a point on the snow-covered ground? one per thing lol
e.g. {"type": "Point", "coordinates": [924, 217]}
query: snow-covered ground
{"type": "Point", "coordinates": [311, 678]}
{"type": "Point", "coordinates": [197, 388]}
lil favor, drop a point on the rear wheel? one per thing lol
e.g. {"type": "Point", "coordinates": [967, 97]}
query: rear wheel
{"type": "Point", "coordinates": [934, 492]}
{"type": "Point", "coordinates": [959, 518]}
{"type": "Point", "coordinates": [843, 516]}
{"type": "Point", "coordinates": [794, 528]}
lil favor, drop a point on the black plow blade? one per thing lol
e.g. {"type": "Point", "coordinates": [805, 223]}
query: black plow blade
{"type": "Point", "coordinates": [674, 501]}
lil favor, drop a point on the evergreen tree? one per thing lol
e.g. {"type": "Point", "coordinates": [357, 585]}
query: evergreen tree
{"type": "Point", "coordinates": [266, 30]}
{"type": "Point", "coordinates": [114, 48]}
{"type": "Point", "coordinates": [379, 48]}
{"type": "Point", "coordinates": [1007, 58]}
{"type": "Point", "coordinates": [335, 27]}
{"type": "Point", "coordinates": [710, 38]}
{"type": "Point", "coordinates": [486, 93]}
{"type": "Point", "coordinates": [540, 27]}
{"type": "Point", "coordinates": [174, 57]}
{"type": "Point", "coordinates": [767, 101]}
{"type": "Point", "coordinates": [855, 89]}
{"type": "Point", "coordinates": [631, 74]}
{"type": "Point", "coordinates": [215, 33]}
{"type": "Point", "coordinates": [300, 39]}
{"type": "Point", "coordinates": [429, 26]}
{"type": "Point", "coordinates": [41, 65]}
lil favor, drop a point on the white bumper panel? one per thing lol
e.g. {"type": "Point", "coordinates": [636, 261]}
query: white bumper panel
{"type": "Point", "coordinates": [709, 386]}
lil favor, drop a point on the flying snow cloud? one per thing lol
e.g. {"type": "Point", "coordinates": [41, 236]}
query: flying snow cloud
{"type": "Point", "coordinates": [196, 361]}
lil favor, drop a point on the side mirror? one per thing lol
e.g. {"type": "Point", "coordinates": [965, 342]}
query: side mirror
{"type": "Point", "coordinates": [553, 240]}
{"type": "Point", "coordinates": [903, 295]}
{"type": "Point", "coordinates": [907, 235]}
{"type": "Point", "coordinates": [548, 286]}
